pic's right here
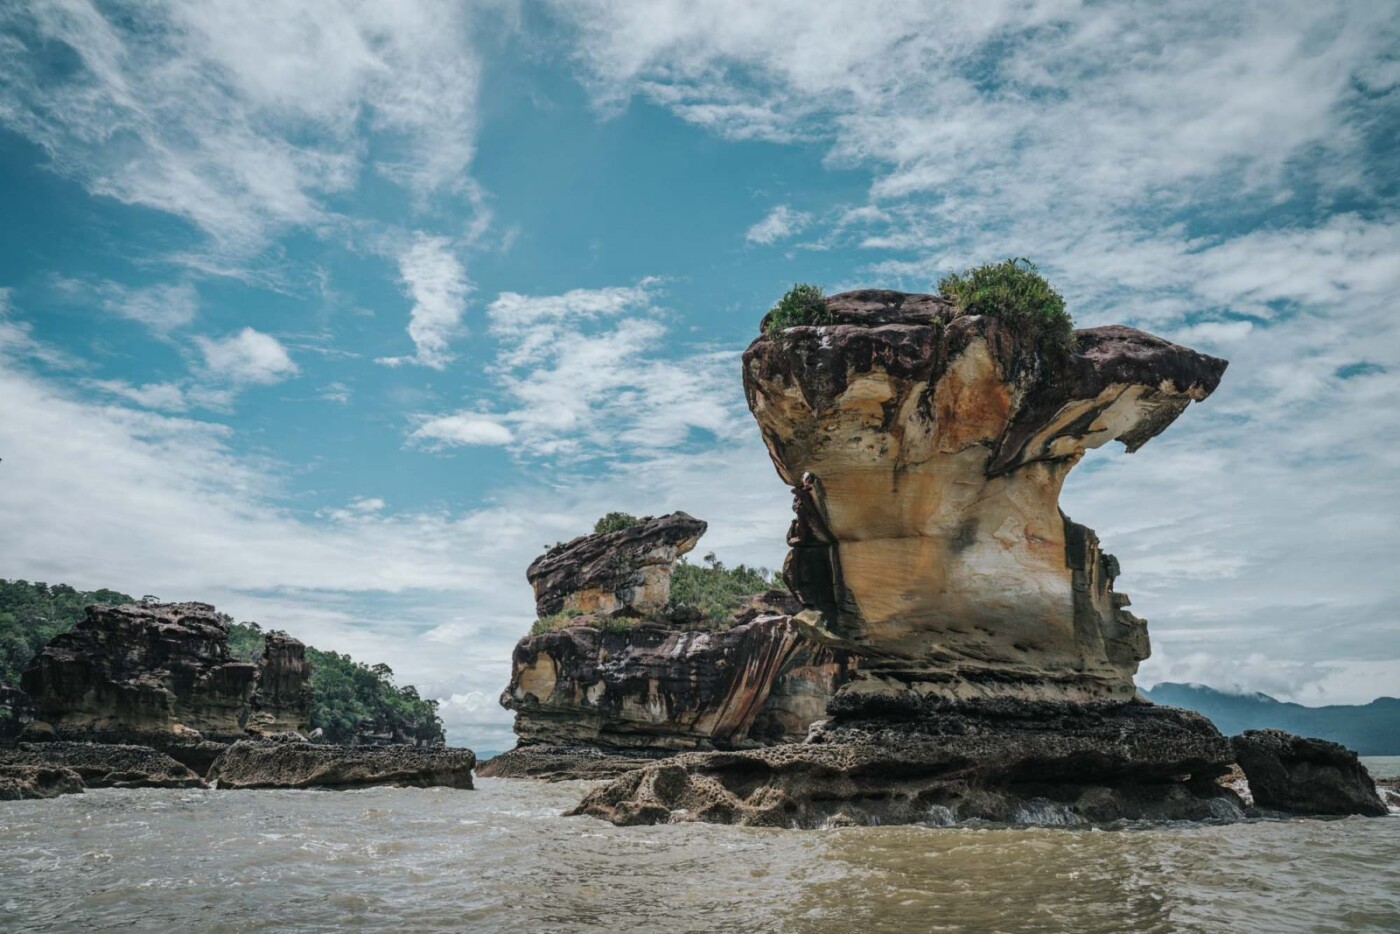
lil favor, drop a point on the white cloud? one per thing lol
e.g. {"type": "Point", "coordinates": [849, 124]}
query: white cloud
{"type": "Point", "coordinates": [779, 224]}
{"type": "Point", "coordinates": [162, 308]}
{"type": "Point", "coordinates": [463, 428]}
{"type": "Point", "coordinates": [248, 357]}
{"type": "Point", "coordinates": [168, 397]}
{"type": "Point", "coordinates": [589, 374]}
{"type": "Point", "coordinates": [241, 119]}
{"type": "Point", "coordinates": [434, 278]}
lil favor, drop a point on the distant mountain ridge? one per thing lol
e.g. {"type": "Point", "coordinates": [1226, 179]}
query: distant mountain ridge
{"type": "Point", "coordinates": [1370, 729]}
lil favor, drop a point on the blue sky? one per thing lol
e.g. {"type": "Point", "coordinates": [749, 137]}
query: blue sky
{"type": "Point", "coordinates": [333, 314]}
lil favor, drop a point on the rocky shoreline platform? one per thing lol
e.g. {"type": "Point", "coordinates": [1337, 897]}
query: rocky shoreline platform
{"type": "Point", "coordinates": [951, 646]}
{"type": "Point", "coordinates": [148, 696]}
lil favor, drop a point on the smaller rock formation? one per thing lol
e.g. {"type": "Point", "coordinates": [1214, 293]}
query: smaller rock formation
{"type": "Point", "coordinates": [161, 675]}
{"type": "Point", "coordinates": [283, 698]}
{"type": "Point", "coordinates": [19, 782]}
{"type": "Point", "coordinates": [16, 712]}
{"type": "Point", "coordinates": [143, 668]}
{"type": "Point", "coordinates": [1004, 760]}
{"type": "Point", "coordinates": [622, 573]}
{"type": "Point", "coordinates": [101, 765]}
{"type": "Point", "coordinates": [275, 764]}
{"type": "Point", "coordinates": [652, 687]}
{"type": "Point", "coordinates": [1305, 776]}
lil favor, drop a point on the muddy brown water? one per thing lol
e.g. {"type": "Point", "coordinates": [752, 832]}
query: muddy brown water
{"type": "Point", "coordinates": [502, 859]}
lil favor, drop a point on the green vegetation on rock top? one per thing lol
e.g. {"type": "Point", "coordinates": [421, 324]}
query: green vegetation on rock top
{"type": "Point", "coordinates": [802, 305]}
{"type": "Point", "coordinates": [615, 522]}
{"type": "Point", "coordinates": [715, 590]}
{"type": "Point", "coordinates": [344, 693]}
{"type": "Point", "coordinates": [1015, 292]}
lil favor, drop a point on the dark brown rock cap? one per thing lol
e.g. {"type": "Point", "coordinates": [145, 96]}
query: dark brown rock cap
{"type": "Point", "coordinates": [609, 561]}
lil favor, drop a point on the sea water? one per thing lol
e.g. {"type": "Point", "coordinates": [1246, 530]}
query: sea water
{"type": "Point", "coordinates": [501, 858]}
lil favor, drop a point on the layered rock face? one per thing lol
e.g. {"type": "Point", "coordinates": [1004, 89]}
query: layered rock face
{"type": "Point", "coordinates": [926, 454]}
{"type": "Point", "coordinates": [623, 573]}
{"type": "Point", "coordinates": [1002, 760]}
{"type": "Point", "coordinates": [283, 697]}
{"type": "Point", "coordinates": [16, 712]}
{"type": "Point", "coordinates": [651, 687]}
{"type": "Point", "coordinates": [142, 668]}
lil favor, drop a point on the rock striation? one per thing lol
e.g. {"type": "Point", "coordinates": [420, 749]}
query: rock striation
{"type": "Point", "coordinates": [622, 573]}
{"type": "Point", "coordinates": [294, 764]}
{"type": "Point", "coordinates": [1305, 776]}
{"type": "Point", "coordinates": [164, 670]}
{"type": "Point", "coordinates": [654, 687]}
{"type": "Point", "coordinates": [1002, 760]}
{"type": "Point", "coordinates": [926, 453]}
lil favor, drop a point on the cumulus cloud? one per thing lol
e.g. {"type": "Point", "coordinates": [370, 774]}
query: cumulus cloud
{"type": "Point", "coordinates": [248, 357]}
{"type": "Point", "coordinates": [241, 120]}
{"type": "Point", "coordinates": [464, 428]}
{"type": "Point", "coordinates": [436, 281]}
{"type": "Point", "coordinates": [168, 397]}
{"type": "Point", "coordinates": [779, 224]}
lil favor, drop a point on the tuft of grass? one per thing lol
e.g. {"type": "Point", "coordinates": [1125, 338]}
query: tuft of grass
{"type": "Point", "coordinates": [1015, 292]}
{"type": "Point", "coordinates": [557, 621]}
{"type": "Point", "coordinates": [615, 522]}
{"type": "Point", "coordinates": [803, 304]}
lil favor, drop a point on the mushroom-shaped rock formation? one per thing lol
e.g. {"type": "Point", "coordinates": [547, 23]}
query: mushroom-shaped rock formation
{"type": "Point", "coordinates": [926, 452]}
{"type": "Point", "coordinates": [622, 573]}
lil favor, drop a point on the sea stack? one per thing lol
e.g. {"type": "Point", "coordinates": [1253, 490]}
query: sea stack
{"type": "Point", "coordinates": [926, 450]}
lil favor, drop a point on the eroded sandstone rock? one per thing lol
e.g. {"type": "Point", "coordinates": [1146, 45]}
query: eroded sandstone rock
{"type": "Point", "coordinates": [623, 573]}
{"type": "Point", "coordinates": [143, 667]}
{"type": "Point", "coordinates": [161, 675]}
{"type": "Point", "coordinates": [564, 763]}
{"type": "Point", "coordinates": [277, 764]}
{"type": "Point", "coordinates": [20, 782]}
{"type": "Point", "coordinates": [1305, 776]}
{"type": "Point", "coordinates": [926, 453]}
{"type": "Point", "coordinates": [282, 701]}
{"type": "Point", "coordinates": [652, 687]}
{"type": "Point", "coordinates": [103, 765]}
{"type": "Point", "coordinates": [1006, 761]}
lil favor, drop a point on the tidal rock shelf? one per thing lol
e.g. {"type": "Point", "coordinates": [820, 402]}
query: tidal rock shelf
{"type": "Point", "coordinates": [273, 764]}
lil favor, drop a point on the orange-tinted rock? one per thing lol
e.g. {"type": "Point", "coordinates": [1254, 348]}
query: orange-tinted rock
{"type": "Point", "coordinates": [926, 453]}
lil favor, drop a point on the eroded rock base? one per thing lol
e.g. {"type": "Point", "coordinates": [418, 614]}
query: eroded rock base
{"type": "Point", "coordinates": [273, 764]}
{"type": "Point", "coordinates": [567, 763]}
{"type": "Point", "coordinates": [1008, 762]}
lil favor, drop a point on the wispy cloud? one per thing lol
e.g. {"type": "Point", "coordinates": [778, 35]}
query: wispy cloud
{"type": "Point", "coordinates": [587, 374]}
{"type": "Point", "coordinates": [779, 224]}
{"type": "Point", "coordinates": [242, 124]}
{"type": "Point", "coordinates": [436, 281]}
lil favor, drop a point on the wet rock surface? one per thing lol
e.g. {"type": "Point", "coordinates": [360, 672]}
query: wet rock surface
{"type": "Point", "coordinates": [653, 687]}
{"type": "Point", "coordinates": [21, 782]}
{"type": "Point", "coordinates": [557, 763]}
{"type": "Point", "coordinates": [105, 766]}
{"type": "Point", "coordinates": [1305, 776]}
{"type": "Point", "coordinates": [293, 764]}
{"type": "Point", "coordinates": [926, 453]}
{"type": "Point", "coordinates": [1016, 763]}
{"type": "Point", "coordinates": [627, 572]}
